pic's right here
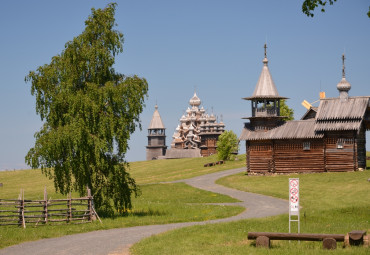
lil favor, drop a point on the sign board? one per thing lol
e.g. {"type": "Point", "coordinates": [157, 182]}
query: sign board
{"type": "Point", "coordinates": [294, 196]}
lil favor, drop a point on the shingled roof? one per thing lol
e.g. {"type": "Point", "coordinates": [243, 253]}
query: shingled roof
{"type": "Point", "coordinates": [338, 125]}
{"type": "Point", "coordinates": [265, 87]}
{"type": "Point", "coordinates": [295, 129]}
{"type": "Point", "coordinates": [336, 109]}
{"type": "Point", "coordinates": [156, 122]}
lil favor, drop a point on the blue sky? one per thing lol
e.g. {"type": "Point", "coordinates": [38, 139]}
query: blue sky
{"type": "Point", "coordinates": [213, 46]}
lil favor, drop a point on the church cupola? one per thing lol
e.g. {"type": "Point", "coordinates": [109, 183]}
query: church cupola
{"type": "Point", "coordinates": [265, 101]}
{"type": "Point", "coordinates": [343, 86]}
{"type": "Point", "coordinates": [156, 137]}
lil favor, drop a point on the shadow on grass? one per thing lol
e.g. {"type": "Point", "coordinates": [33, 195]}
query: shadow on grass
{"type": "Point", "coordinates": [133, 213]}
{"type": "Point", "coordinates": [149, 212]}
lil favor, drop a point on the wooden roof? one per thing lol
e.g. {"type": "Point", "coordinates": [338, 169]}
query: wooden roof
{"type": "Point", "coordinates": [156, 122]}
{"type": "Point", "coordinates": [265, 87]}
{"type": "Point", "coordinates": [333, 114]}
{"type": "Point", "coordinates": [338, 109]}
{"type": "Point", "coordinates": [338, 125]}
{"type": "Point", "coordinates": [310, 114]}
{"type": "Point", "coordinates": [295, 129]}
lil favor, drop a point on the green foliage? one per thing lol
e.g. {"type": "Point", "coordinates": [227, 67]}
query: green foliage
{"type": "Point", "coordinates": [286, 111]}
{"type": "Point", "coordinates": [227, 143]}
{"type": "Point", "coordinates": [89, 112]}
{"type": "Point", "coordinates": [309, 6]}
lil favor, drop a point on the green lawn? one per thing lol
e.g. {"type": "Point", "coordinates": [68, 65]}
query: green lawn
{"type": "Point", "coordinates": [331, 203]}
{"type": "Point", "coordinates": [155, 171]}
{"type": "Point", "coordinates": [158, 204]}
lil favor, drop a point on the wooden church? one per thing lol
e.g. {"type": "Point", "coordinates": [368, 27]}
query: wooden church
{"type": "Point", "coordinates": [330, 138]}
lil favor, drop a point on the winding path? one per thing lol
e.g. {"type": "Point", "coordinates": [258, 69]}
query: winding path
{"type": "Point", "coordinates": [118, 241]}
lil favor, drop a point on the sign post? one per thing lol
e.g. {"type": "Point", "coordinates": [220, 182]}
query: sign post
{"type": "Point", "coordinates": [294, 202]}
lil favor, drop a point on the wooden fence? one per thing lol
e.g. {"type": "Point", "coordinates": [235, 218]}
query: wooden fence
{"type": "Point", "coordinates": [47, 211]}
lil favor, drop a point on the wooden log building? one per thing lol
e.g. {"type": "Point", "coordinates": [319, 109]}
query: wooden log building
{"type": "Point", "coordinates": [330, 138]}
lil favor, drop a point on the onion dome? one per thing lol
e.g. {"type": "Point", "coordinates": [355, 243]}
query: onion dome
{"type": "Point", "coordinates": [183, 118]}
{"type": "Point", "coordinates": [195, 101]}
{"type": "Point", "coordinates": [343, 86]}
{"type": "Point", "coordinates": [212, 118]}
{"type": "Point", "coordinates": [202, 118]}
{"type": "Point", "coordinates": [188, 110]}
{"type": "Point", "coordinates": [202, 110]}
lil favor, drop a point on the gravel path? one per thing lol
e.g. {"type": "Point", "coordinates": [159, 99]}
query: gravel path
{"type": "Point", "coordinates": [118, 241]}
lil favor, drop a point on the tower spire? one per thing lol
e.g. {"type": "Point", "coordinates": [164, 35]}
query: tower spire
{"type": "Point", "coordinates": [343, 66]}
{"type": "Point", "coordinates": [343, 86]}
{"type": "Point", "coordinates": [265, 61]}
{"type": "Point", "coordinates": [265, 50]}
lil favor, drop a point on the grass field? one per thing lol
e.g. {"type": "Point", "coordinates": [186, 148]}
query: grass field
{"type": "Point", "coordinates": [176, 169]}
{"type": "Point", "coordinates": [331, 203]}
{"type": "Point", "coordinates": [158, 204]}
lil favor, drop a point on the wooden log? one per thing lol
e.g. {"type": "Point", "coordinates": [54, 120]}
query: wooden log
{"type": "Point", "coordinates": [366, 241]}
{"type": "Point", "coordinates": [295, 236]}
{"type": "Point", "coordinates": [34, 221]}
{"type": "Point", "coordinates": [5, 220]}
{"type": "Point", "coordinates": [356, 237]}
{"type": "Point", "coordinates": [263, 242]}
{"type": "Point", "coordinates": [52, 204]}
{"type": "Point", "coordinates": [9, 211]}
{"type": "Point", "coordinates": [9, 215]}
{"type": "Point", "coordinates": [33, 216]}
{"type": "Point", "coordinates": [329, 244]}
{"type": "Point", "coordinates": [8, 203]}
{"type": "Point", "coordinates": [57, 214]}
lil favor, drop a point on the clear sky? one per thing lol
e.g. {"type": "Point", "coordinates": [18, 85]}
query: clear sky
{"type": "Point", "coordinates": [211, 45]}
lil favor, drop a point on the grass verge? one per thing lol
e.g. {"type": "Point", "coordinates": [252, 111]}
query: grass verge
{"type": "Point", "coordinates": [331, 203]}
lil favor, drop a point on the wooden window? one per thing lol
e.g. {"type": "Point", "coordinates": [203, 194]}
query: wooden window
{"type": "Point", "coordinates": [340, 143]}
{"type": "Point", "coordinates": [306, 146]}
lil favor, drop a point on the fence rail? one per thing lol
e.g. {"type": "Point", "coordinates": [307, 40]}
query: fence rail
{"type": "Point", "coordinates": [47, 211]}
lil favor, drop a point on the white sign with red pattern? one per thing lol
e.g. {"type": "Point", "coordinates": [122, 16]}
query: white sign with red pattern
{"type": "Point", "coordinates": [294, 196]}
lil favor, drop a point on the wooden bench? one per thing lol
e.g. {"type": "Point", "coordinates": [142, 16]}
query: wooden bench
{"type": "Point", "coordinates": [329, 240]}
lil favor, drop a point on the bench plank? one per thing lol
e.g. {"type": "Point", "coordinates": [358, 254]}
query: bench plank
{"type": "Point", "coordinates": [295, 236]}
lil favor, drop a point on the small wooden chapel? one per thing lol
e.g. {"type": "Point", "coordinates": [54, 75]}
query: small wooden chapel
{"type": "Point", "coordinates": [330, 138]}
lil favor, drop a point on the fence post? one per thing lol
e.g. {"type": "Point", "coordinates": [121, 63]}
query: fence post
{"type": "Point", "coordinates": [23, 221]}
{"type": "Point", "coordinates": [89, 204]}
{"type": "Point", "coordinates": [20, 221]}
{"type": "Point", "coordinates": [69, 207]}
{"type": "Point", "coordinates": [45, 213]}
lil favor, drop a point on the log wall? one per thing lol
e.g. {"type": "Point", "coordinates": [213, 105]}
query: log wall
{"type": "Point", "coordinates": [290, 156]}
{"type": "Point", "coordinates": [361, 148]}
{"type": "Point", "coordinates": [287, 156]}
{"type": "Point", "coordinates": [209, 145]}
{"type": "Point", "coordinates": [341, 158]}
{"type": "Point", "coordinates": [259, 155]}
